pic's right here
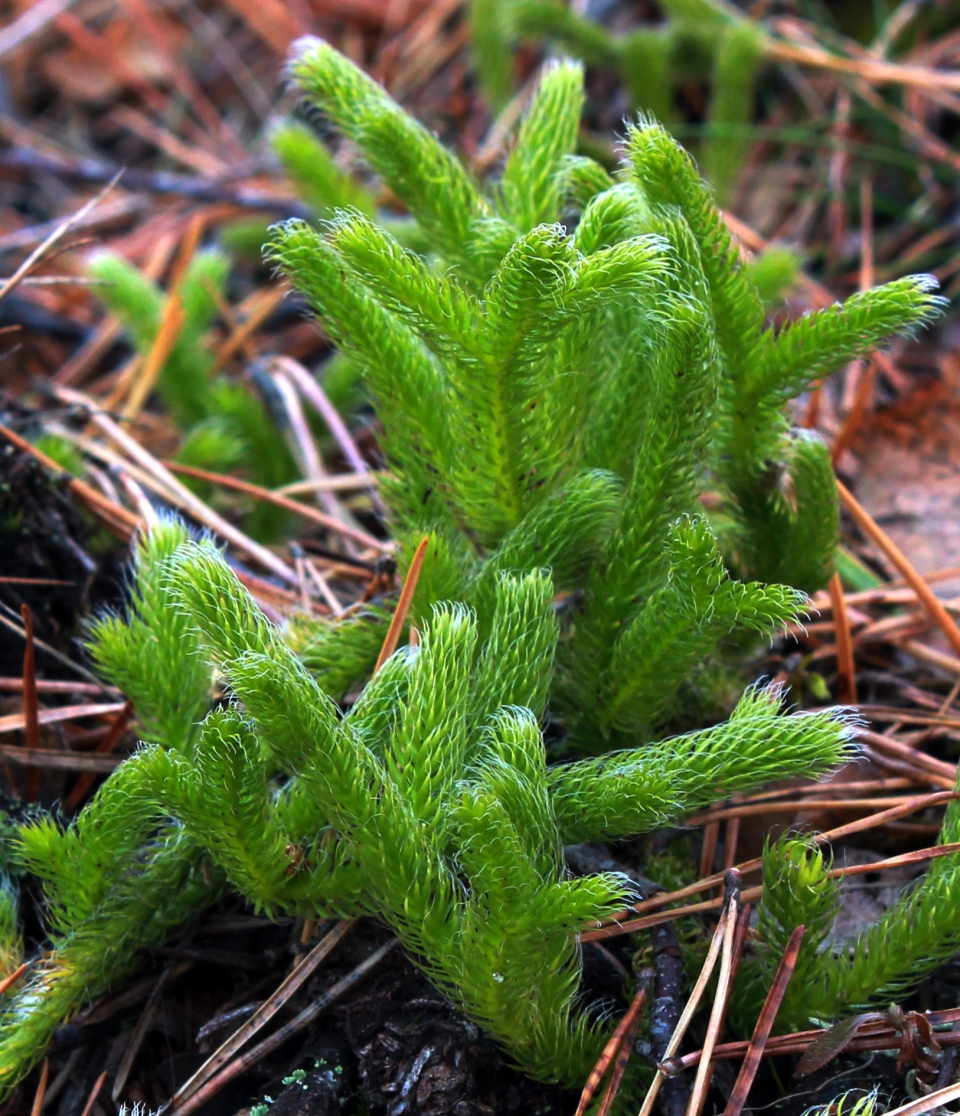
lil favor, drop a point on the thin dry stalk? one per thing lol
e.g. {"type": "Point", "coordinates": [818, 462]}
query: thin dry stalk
{"type": "Point", "coordinates": [623, 1056]}
{"type": "Point", "coordinates": [94, 1093]}
{"type": "Point", "coordinates": [719, 1010]}
{"type": "Point", "coordinates": [267, 1010]}
{"type": "Point", "coordinates": [338, 482]}
{"type": "Point", "coordinates": [43, 249]}
{"type": "Point", "coordinates": [688, 1013]}
{"type": "Point", "coordinates": [31, 709]}
{"type": "Point", "coordinates": [53, 759]}
{"type": "Point", "coordinates": [403, 605]}
{"type": "Point", "coordinates": [305, 448]}
{"type": "Point", "coordinates": [297, 1024]}
{"type": "Point", "coordinates": [883, 542]}
{"type": "Point", "coordinates": [335, 604]}
{"type": "Point", "coordinates": [761, 1033]}
{"type": "Point", "coordinates": [194, 504]}
{"type": "Point", "coordinates": [928, 1103]}
{"type": "Point", "coordinates": [138, 498]}
{"type": "Point", "coordinates": [314, 394]}
{"type": "Point", "coordinates": [29, 22]}
{"type": "Point", "coordinates": [265, 494]}
{"type": "Point", "coordinates": [616, 1040]}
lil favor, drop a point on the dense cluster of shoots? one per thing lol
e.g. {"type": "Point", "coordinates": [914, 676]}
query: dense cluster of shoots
{"type": "Point", "coordinates": [562, 372]}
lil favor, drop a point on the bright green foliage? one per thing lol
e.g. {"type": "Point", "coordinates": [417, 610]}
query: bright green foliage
{"type": "Point", "coordinates": [145, 893]}
{"type": "Point", "coordinates": [910, 939]}
{"type": "Point", "coordinates": [315, 174]}
{"type": "Point", "coordinates": [225, 424]}
{"type": "Point", "coordinates": [60, 450]}
{"type": "Point", "coordinates": [561, 404]}
{"type": "Point", "coordinates": [117, 880]}
{"type": "Point", "coordinates": [774, 272]}
{"type": "Point", "coordinates": [450, 824]}
{"type": "Point", "coordinates": [735, 66]}
{"type": "Point", "coordinates": [552, 407]}
{"type": "Point", "coordinates": [697, 41]}
{"type": "Point", "coordinates": [11, 939]}
{"type": "Point", "coordinates": [126, 649]}
{"type": "Point", "coordinates": [429, 804]}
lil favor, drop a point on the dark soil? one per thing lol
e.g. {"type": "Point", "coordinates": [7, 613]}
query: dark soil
{"type": "Point", "coordinates": [43, 534]}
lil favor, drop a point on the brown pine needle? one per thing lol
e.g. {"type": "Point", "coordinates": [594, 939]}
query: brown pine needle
{"type": "Point", "coordinates": [870, 70]}
{"type": "Point", "coordinates": [913, 756]}
{"type": "Point", "coordinates": [845, 664]}
{"type": "Point", "coordinates": [623, 1056]}
{"type": "Point", "coordinates": [94, 1093]}
{"type": "Point", "coordinates": [689, 1011]}
{"type": "Point", "coordinates": [149, 371]}
{"type": "Point", "coordinates": [41, 1089]}
{"type": "Point", "coordinates": [270, 497]}
{"type": "Point", "coordinates": [761, 1033]}
{"type": "Point", "coordinates": [883, 542]}
{"type": "Point", "coordinates": [188, 499]}
{"type": "Point", "coordinates": [139, 1034]}
{"type": "Point", "coordinates": [14, 722]}
{"type": "Point", "coordinates": [55, 237]}
{"type": "Point", "coordinates": [12, 979]}
{"type": "Point", "coordinates": [701, 1083]}
{"type": "Point", "coordinates": [616, 1040]}
{"type": "Point", "coordinates": [644, 923]}
{"type": "Point", "coordinates": [267, 1010]}
{"type": "Point", "coordinates": [747, 810]}
{"type": "Point", "coordinates": [403, 605]}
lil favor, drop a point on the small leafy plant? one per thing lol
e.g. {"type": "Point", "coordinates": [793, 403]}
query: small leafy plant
{"type": "Point", "coordinates": [553, 403]}
{"type": "Point", "coordinates": [224, 422]}
{"type": "Point", "coordinates": [911, 938]}
{"type": "Point", "coordinates": [429, 804]}
{"type": "Point", "coordinates": [563, 399]}
{"type": "Point", "coordinates": [698, 40]}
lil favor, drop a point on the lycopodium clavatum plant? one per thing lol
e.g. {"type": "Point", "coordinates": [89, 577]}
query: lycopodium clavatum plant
{"type": "Point", "coordinates": [581, 359]}
{"type": "Point", "coordinates": [226, 423]}
{"type": "Point", "coordinates": [429, 804]}
{"type": "Point", "coordinates": [698, 41]}
{"type": "Point", "coordinates": [576, 359]}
